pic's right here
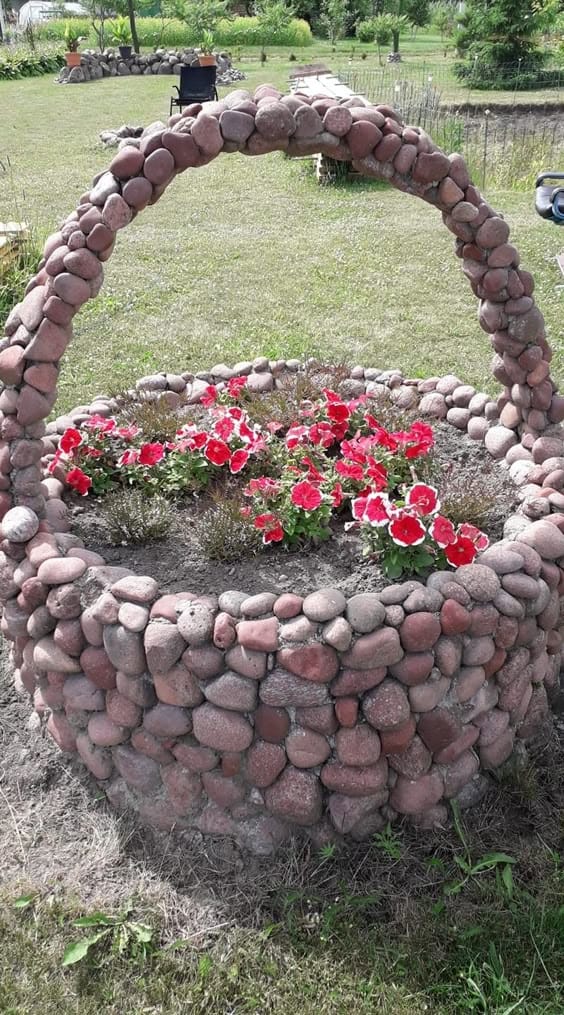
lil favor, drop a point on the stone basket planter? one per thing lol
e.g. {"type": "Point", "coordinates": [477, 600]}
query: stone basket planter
{"type": "Point", "coordinates": [254, 716]}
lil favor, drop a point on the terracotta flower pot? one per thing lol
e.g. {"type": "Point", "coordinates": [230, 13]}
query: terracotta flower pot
{"type": "Point", "coordinates": [207, 60]}
{"type": "Point", "coordinates": [73, 59]}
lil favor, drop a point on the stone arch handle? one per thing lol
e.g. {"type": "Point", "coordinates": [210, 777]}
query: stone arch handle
{"type": "Point", "coordinates": [378, 144]}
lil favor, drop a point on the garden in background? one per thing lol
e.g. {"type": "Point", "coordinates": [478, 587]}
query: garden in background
{"type": "Point", "coordinates": [251, 257]}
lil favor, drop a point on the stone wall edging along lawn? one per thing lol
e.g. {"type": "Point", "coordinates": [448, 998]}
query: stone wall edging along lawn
{"type": "Point", "coordinates": [94, 65]}
{"type": "Point", "coordinates": [254, 716]}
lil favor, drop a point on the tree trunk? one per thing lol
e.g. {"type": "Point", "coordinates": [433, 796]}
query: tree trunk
{"type": "Point", "coordinates": [132, 25]}
{"type": "Point", "coordinates": [395, 42]}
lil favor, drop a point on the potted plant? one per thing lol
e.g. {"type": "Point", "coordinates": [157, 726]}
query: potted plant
{"type": "Point", "coordinates": [120, 34]}
{"type": "Point", "coordinates": [207, 56]}
{"type": "Point", "coordinates": [72, 41]}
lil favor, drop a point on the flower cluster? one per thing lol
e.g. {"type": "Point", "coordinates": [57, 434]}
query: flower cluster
{"type": "Point", "coordinates": [336, 457]}
{"type": "Point", "coordinates": [408, 533]}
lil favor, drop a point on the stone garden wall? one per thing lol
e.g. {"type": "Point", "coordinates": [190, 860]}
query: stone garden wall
{"type": "Point", "coordinates": [255, 715]}
{"type": "Point", "coordinates": [109, 64]}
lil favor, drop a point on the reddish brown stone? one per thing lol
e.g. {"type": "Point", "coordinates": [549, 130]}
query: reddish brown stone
{"type": "Point", "coordinates": [347, 811]}
{"type": "Point", "coordinates": [438, 729]}
{"type": "Point", "coordinates": [296, 797]}
{"type": "Point", "coordinates": [420, 631]}
{"type": "Point", "coordinates": [357, 681]}
{"type": "Point", "coordinates": [271, 723]}
{"type": "Point", "coordinates": [178, 687]}
{"type": "Point", "coordinates": [321, 719]}
{"type": "Point", "coordinates": [318, 663]}
{"type": "Point", "coordinates": [454, 618]}
{"type": "Point", "coordinates": [265, 761]}
{"type": "Point", "coordinates": [398, 739]}
{"type": "Point", "coordinates": [346, 711]}
{"type": "Point", "coordinates": [220, 729]}
{"type": "Point", "coordinates": [359, 746]}
{"type": "Point", "coordinates": [190, 754]}
{"type": "Point", "coordinates": [355, 780]}
{"type": "Point", "coordinates": [225, 792]}
{"type": "Point", "coordinates": [259, 635]}
{"type": "Point", "coordinates": [386, 706]}
{"type": "Point", "coordinates": [183, 788]}
{"type": "Point", "coordinates": [414, 668]}
{"type": "Point", "coordinates": [373, 651]}
{"type": "Point", "coordinates": [121, 710]}
{"type": "Point", "coordinates": [414, 761]}
{"type": "Point", "coordinates": [138, 771]}
{"type": "Point", "coordinates": [413, 796]}
{"type": "Point", "coordinates": [306, 748]}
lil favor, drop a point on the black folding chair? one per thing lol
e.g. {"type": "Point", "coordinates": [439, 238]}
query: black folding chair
{"type": "Point", "coordinates": [197, 84]}
{"type": "Point", "coordinates": [549, 199]}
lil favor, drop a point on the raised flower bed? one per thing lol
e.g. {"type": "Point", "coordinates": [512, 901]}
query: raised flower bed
{"type": "Point", "coordinates": [254, 715]}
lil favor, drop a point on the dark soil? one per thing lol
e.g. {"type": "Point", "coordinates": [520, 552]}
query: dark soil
{"type": "Point", "coordinates": [176, 562]}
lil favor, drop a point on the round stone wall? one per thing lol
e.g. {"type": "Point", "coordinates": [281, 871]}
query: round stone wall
{"type": "Point", "coordinates": [254, 716]}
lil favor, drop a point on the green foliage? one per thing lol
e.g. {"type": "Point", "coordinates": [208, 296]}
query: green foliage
{"type": "Point", "coordinates": [334, 15]}
{"type": "Point", "coordinates": [274, 18]}
{"type": "Point", "coordinates": [176, 34]}
{"type": "Point", "coordinates": [71, 38]}
{"type": "Point", "coordinates": [503, 35]}
{"type": "Point", "coordinates": [14, 277]}
{"type": "Point", "coordinates": [131, 517]}
{"type": "Point", "coordinates": [417, 13]}
{"type": "Point", "coordinates": [201, 18]}
{"type": "Point", "coordinates": [121, 936]}
{"type": "Point", "coordinates": [120, 31]}
{"type": "Point", "coordinates": [443, 18]}
{"type": "Point", "coordinates": [24, 62]}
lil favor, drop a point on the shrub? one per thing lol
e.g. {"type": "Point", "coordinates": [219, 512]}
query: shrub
{"type": "Point", "coordinates": [23, 62]}
{"type": "Point", "coordinates": [132, 517]}
{"type": "Point", "coordinates": [365, 31]}
{"type": "Point", "coordinates": [172, 33]}
{"type": "Point", "coordinates": [509, 77]}
{"type": "Point", "coordinates": [223, 533]}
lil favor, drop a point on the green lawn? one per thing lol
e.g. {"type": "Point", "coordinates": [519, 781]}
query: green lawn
{"type": "Point", "coordinates": [251, 256]}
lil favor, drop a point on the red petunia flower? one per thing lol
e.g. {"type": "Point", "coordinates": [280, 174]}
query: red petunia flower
{"type": "Point", "coordinates": [70, 440]}
{"type": "Point", "coordinates": [338, 412]}
{"type": "Point", "coordinates": [151, 454]}
{"type": "Point", "coordinates": [127, 433]}
{"type": "Point", "coordinates": [312, 472]}
{"type": "Point", "coordinates": [209, 396]}
{"type": "Point", "coordinates": [235, 386]}
{"type": "Point", "coordinates": [358, 507]}
{"type": "Point", "coordinates": [462, 551]}
{"type": "Point", "coordinates": [322, 434]}
{"type": "Point", "coordinates": [442, 531]}
{"type": "Point", "coordinates": [350, 470]}
{"type": "Point", "coordinates": [423, 499]}
{"type": "Point", "coordinates": [129, 457]}
{"type": "Point", "coordinates": [79, 481]}
{"type": "Point", "coordinates": [224, 428]}
{"type": "Point", "coordinates": [238, 460]}
{"type": "Point", "coordinates": [337, 495]}
{"type": "Point", "coordinates": [377, 510]}
{"type": "Point", "coordinates": [102, 423]}
{"type": "Point", "coordinates": [269, 524]}
{"type": "Point", "coordinates": [306, 496]}
{"type": "Point", "coordinates": [406, 529]}
{"type": "Point", "coordinates": [377, 474]}
{"type": "Point", "coordinates": [217, 452]}
{"type": "Point", "coordinates": [479, 538]}
{"type": "Point", "coordinates": [295, 436]}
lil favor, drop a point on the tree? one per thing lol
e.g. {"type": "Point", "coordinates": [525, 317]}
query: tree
{"type": "Point", "coordinates": [417, 13]}
{"type": "Point", "coordinates": [200, 16]}
{"type": "Point", "coordinates": [98, 11]}
{"type": "Point", "coordinates": [129, 9]}
{"type": "Point", "coordinates": [334, 15]}
{"type": "Point", "coordinates": [272, 16]}
{"type": "Point", "coordinates": [444, 20]}
{"type": "Point", "coordinates": [499, 33]}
